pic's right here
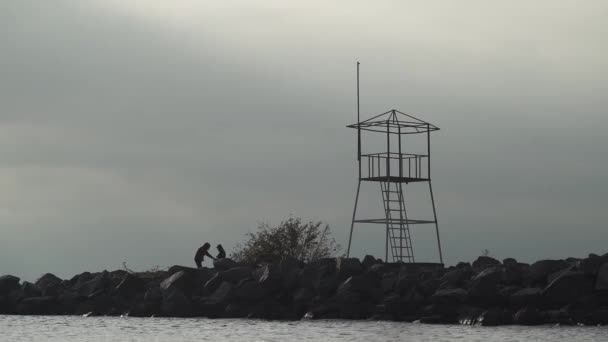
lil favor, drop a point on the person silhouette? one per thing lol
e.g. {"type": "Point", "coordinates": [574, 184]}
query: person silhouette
{"type": "Point", "coordinates": [201, 253]}
{"type": "Point", "coordinates": [222, 252]}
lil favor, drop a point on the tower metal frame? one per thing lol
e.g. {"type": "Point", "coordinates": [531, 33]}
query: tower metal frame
{"type": "Point", "coordinates": [394, 170]}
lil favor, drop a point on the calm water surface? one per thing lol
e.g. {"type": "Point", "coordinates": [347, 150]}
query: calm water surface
{"type": "Point", "coordinates": [64, 328]}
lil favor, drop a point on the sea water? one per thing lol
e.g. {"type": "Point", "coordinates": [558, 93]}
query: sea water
{"type": "Point", "coordinates": [73, 328]}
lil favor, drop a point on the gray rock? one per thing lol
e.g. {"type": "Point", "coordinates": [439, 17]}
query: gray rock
{"type": "Point", "coordinates": [539, 271]}
{"type": "Point", "coordinates": [176, 291]}
{"type": "Point", "coordinates": [67, 302]}
{"type": "Point", "coordinates": [527, 316]}
{"type": "Point", "coordinates": [363, 283]}
{"type": "Point", "coordinates": [526, 297]}
{"type": "Point", "coordinates": [236, 274]}
{"type": "Point", "coordinates": [249, 290]}
{"type": "Point", "coordinates": [320, 276]}
{"type": "Point", "coordinates": [212, 284]}
{"type": "Point", "coordinates": [90, 285]}
{"type": "Point", "coordinates": [513, 273]}
{"type": "Point", "coordinates": [601, 283]}
{"type": "Point", "coordinates": [176, 304]}
{"type": "Point", "coordinates": [592, 264]}
{"type": "Point", "coordinates": [8, 283]}
{"type": "Point", "coordinates": [222, 295]}
{"type": "Point", "coordinates": [455, 278]}
{"type": "Point", "coordinates": [302, 298]}
{"type": "Point", "coordinates": [369, 261]}
{"type": "Point", "coordinates": [348, 267]}
{"type": "Point", "coordinates": [153, 295]}
{"type": "Point", "coordinates": [36, 306]}
{"type": "Point", "coordinates": [484, 262]}
{"type": "Point", "coordinates": [388, 282]}
{"type": "Point", "coordinates": [290, 273]}
{"type": "Point", "coordinates": [49, 284]}
{"type": "Point", "coordinates": [494, 317]}
{"type": "Point", "coordinates": [509, 261]}
{"type": "Point", "coordinates": [180, 281]}
{"type": "Point", "coordinates": [484, 286]}
{"type": "Point", "coordinates": [130, 286]}
{"type": "Point", "coordinates": [196, 276]}
{"type": "Point", "coordinates": [449, 296]}
{"type": "Point", "coordinates": [270, 277]}
{"type": "Point", "coordinates": [567, 288]}
{"type": "Point", "coordinates": [224, 264]}
{"type": "Point", "coordinates": [29, 290]}
{"type": "Point", "coordinates": [405, 282]}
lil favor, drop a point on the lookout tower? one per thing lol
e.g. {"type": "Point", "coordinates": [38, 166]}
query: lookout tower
{"type": "Point", "coordinates": [394, 167]}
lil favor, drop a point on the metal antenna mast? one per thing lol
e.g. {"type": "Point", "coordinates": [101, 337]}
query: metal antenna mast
{"type": "Point", "coordinates": [352, 225]}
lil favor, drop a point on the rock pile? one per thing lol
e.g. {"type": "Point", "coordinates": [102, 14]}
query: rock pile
{"type": "Point", "coordinates": [486, 292]}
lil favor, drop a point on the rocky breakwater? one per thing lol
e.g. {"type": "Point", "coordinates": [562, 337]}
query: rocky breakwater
{"type": "Point", "coordinates": [487, 292]}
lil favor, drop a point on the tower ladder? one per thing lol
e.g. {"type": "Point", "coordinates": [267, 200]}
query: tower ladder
{"type": "Point", "coordinates": [399, 239]}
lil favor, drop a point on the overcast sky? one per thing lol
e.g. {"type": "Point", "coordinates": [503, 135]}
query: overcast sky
{"type": "Point", "coordinates": [137, 130]}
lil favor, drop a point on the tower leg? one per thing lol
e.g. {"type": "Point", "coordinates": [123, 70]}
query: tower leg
{"type": "Point", "coordinates": [436, 224]}
{"type": "Point", "coordinates": [352, 224]}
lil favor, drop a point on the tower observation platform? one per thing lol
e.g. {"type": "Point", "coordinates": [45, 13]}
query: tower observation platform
{"type": "Point", "coordinates": [394, 167]}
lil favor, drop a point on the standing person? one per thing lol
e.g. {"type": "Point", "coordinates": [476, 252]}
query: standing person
{"type": "Point", "coordinates": [201, 253]}
{"type": "Point", "coordinates": [222, 252]}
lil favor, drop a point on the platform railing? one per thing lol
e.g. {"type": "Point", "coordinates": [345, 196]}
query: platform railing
{"type": "Point", "coordinates": [393, 164]}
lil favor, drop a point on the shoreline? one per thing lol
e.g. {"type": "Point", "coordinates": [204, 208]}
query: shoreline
{"type": "Point", "coordinates": [486, 292]}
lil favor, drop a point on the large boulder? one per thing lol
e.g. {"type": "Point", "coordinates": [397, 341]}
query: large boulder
{"type": "Point", "coordinates": [8, 283]}
{"type": "Point", "coordinates": [369, 261]}
{"type": "Point", "coordinates": [197, 276]}
{"type": "Point", "coordinates": [348, 267]}
{"type": "Point", "coordinates": [212, 284]}
{"type": "Point", "coordinates": [366, 284]}
{"type": "Point", "coordinates": [427, 286]}
{"type": "Point", "coordinates": [130, 286]}
{"type": "Point", "coordinates": [270, 277]}
{"type": "Point", "coordinates": [455, 278]}
{"type": "Point", "coordinates": [513, 272]}
{"type": "Point", "coordinates": [591, 265]}
{"type": "Point", "coordinates": [28, 290]}
{"type": "Point", "coordinates": [388, 282]}
{"type": "Point", "coordinates": [180, 281]}
{"type": "Point", "coordinates": [215, 304]}
{"type": "Point", "coordinates": [484, 286]}
{"type": "Point", "coordinates": [236, 274]}
{"type": "Point", "coordinates": [176, 304]}
{"type": "Point", "coordinates": [36, 306]}
{"type": "Point", "coordinates": [494, 317]}
{"type": "Point", "coordinates": [49, 284]}
{"type": "Point", "coordinates": [152, 302]}
{"type": "Point", "coordinates": [67, 302]}
{"type": "Point", "coordinates": [484, 262]}
{"type": "Point", "coordinates": [90, 285]}
{"type": "Point", "coordinates": [449, 296]}
{"type": "Point", "coordinates": [538, 273]}
{"type": "Point", "coordinates": [527, 316]}
{"type": "Point", "coordinates": [290, 272]}
{"type": "Point", "coordinates": [249, 290]}
{"type": "Point", "coordinates": [224, 264]}
{"type": "Point", "coordinates": [529, 296]}
{"type": "Point", "coordinates": [601, 283]}
{"type": "Point", "coordinates": [568, 287]}
{"type": "Point", "coordinates": [320, 276]}
{"type": "Point", "coordinates": [302, 300]}
{"type": "Point", "coordinates": [405, 282]}
{"type": "Point", "coordinates": [176, 291]}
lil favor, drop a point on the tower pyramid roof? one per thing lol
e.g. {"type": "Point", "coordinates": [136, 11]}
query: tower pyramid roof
{"type": "Point", "coordinates": [396, 122]}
